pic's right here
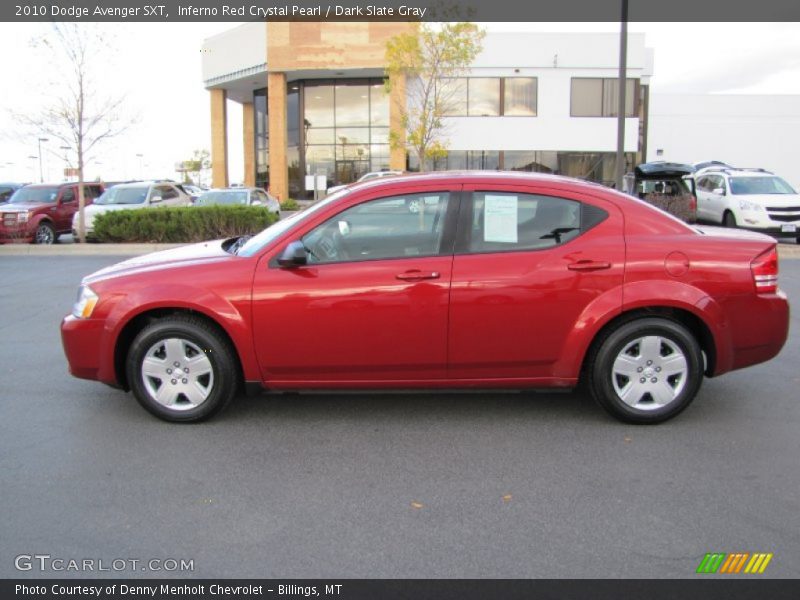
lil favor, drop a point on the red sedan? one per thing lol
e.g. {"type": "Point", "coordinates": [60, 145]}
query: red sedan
{"type": "Point", "coordinates": [497, 280]}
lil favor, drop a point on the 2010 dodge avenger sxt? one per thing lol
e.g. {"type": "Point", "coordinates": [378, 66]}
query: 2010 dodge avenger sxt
{"type": "Point", "coordinates": [495, 280]}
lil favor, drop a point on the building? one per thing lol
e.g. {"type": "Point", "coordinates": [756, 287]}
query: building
{"type": "Point", "coordinates": [314, 103]}
{"type": "Point", "coordinates": [739, 129]}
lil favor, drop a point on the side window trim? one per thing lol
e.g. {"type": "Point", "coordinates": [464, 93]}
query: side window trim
{"type": "Point", "coordinates": [464, 232]}
{"type": "Point", "coordinates": [446, 244]}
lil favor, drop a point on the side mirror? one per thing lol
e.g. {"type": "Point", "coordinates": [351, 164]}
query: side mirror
{"type": "Point", "coordinates": [719, 191]}
{"type": "Point", "coordinates": [294, 255]}
{"type": "Point", "coordinates": [155, 199]}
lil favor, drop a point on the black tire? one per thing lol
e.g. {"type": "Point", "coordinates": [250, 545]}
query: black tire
{"type": "Point", "coordinates": [729, 219]}
{"type": "Point", "coordinates": [222, 384]}
{"type": "Point", "coordinates": [45, 234]}
{"type": "Point", "coordinates": [673, 340]}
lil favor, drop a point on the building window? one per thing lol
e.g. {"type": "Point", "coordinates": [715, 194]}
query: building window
{"type": "Point", "coordinates": [519, 97]}
{"type": "Point", "coordinates": [481, 97]}
{"type": "Point", "coordinates": [599, 97]}
{"type": "Point", "coordinates": [261, 130]}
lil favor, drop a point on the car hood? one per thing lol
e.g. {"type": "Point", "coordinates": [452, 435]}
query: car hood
{"type": "Point", "coordinates": [165, 259]}
{"type": "Point", "coordinates": [777, 200]}
{"type": "Point", "coordinates": [97, 209]}
{"type": "Point", "coordinates": [9, 207]}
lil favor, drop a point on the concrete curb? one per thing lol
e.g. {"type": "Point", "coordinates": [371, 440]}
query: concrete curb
{"type": "Point", "coordinates": [83, 249]}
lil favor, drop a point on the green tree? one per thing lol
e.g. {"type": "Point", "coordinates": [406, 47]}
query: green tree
{"type": "Point", "coordinates": [196, 166]}
{"type": "Point", "coordinates": [428, 60]}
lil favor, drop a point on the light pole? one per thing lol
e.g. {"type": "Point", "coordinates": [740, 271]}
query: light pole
{"type": "Point", "coordinates": [622, 89]}
{"type": "Point", "coordinates": [41, 173]}
{"type": "Point", "coordinates": [66, 159]}
{"type": "Point", "coordinates": [141, 156]}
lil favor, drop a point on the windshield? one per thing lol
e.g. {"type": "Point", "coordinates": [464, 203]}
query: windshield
{"type": "Point", "coordinates": [32, 194]}
{"type": "Point", "coordinates": [227, 198]}
{"type": "Point", "coordinates": [274, 231]}
{"type": "Point", "coordinates": [123, 195]}
{"type": "Point", "coordinates": [759, 185]}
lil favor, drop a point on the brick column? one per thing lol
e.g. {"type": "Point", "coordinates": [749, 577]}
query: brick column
{"type": "Point", "coordinates": [278, 137]}
{"type": "Point", "coordinates": [397, 102]}
{"type": "Point", "coordinates": [219, 139]}
{"type": "Point", "coordinates": [249, 140]}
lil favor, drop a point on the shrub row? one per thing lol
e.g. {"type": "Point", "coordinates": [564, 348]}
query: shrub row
{"type": "Point", "coordinates": [185, 224]}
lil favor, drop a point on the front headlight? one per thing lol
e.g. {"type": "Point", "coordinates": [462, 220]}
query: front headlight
{"type": "Point", "coordinates": [23, 217]}
{"type": "Point", "coordinates": [751, 206]}
{"type": "Point", "coordinates": [87, 300]}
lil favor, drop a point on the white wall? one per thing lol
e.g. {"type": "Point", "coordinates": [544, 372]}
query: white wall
{"type": "Point", "coordinates": [743, 130]}
{"type": "Point", "coordinates": [553, 128]}
{"type": "Point", "coordinates": [234, 51]}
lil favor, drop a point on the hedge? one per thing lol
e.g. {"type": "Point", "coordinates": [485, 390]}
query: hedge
{"type": "Point", "coordinates": [184, 224]}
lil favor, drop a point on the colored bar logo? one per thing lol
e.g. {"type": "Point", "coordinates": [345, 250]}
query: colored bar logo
{"type": "Point", "coordinates": [734, 563]}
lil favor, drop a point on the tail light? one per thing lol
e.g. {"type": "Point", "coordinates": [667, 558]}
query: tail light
{"type": "Point", "coordinates": [765, 271]}
{"type": "Point", "coordinates": [693, 204]}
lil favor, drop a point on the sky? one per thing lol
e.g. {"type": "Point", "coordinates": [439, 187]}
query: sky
{"type": "Point", "coordinates": [157, 68]}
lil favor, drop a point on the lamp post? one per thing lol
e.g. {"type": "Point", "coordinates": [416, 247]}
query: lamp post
{"type": "Point", "coordinates": [140, 156]}
{"type": "Point", "coordinates": [41, 173]}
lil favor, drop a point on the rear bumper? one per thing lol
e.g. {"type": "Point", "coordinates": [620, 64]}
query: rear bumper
{"type": "Point", "coordinates": [758, 329]}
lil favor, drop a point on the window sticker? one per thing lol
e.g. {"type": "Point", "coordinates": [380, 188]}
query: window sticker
{"type": "Point", "coordinates": [500, 219]}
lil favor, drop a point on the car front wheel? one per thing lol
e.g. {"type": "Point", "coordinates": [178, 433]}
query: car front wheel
{"type": "Point", "coordinates": [182, 369]}
{"type": "Point", "coordinates": [646, 371]}
{"type": "Point", "coordinates": [45, 234]}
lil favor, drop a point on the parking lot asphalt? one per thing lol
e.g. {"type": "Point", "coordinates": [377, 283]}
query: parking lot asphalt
{"type": "Point", "coordinates": [397, 485]}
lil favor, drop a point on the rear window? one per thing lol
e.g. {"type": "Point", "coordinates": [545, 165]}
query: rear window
{"type": "Point", "coordinates": [223, 198]}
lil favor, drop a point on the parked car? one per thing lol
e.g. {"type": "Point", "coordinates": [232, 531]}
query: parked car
{"type": "Point", "coordinates": [7, 189]}
{"type": "Point", "coordinates": [242, 196]}
{"type": "Point", "coordinates": [750, 198]}
{"type": "Point", "coordinates": [131, 196]}
{"type": "Point", "coordinates": [193, 191]}
{"type": "Point", "coordinates": [511, 280]}
{"type": "Point", "coordinates": [366, 177]}
{"type": "Point", "coordinates": [711, 163]}
{"type": "Point", "coordinates": [665, 185]}
{"type": "Point", "coordinates": [39, 213]}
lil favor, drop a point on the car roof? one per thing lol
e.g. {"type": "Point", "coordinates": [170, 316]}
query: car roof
{"type": "Point", "coordinates": [510, 177]}
{"type": "Point", "coordinates": [658, 169]}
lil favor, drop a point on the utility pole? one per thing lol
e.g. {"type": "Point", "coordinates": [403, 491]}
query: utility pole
{"type": "Point", "coordinates": [623, 88]}
{"type": "Point", "coordinates": [41, 173]}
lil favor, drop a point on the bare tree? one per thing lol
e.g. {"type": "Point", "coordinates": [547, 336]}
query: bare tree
{"type": "Point", "coordinates": [82, 115]}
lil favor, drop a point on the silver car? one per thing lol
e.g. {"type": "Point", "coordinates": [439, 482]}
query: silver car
{"type": "Point", "coordinates": [243, 196]}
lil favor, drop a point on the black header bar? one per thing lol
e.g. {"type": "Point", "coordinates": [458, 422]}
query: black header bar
{"type": "Point", "coordinates": [402, 10]}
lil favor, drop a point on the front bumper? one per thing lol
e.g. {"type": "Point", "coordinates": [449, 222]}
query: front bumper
{"type": "Point", "coordinates": [18, 232]}
{"type": "Point", "coordinates": [82, 341]}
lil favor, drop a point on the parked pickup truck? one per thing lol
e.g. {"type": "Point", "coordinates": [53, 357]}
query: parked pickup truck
{"type": "Point", "coordinates": [39, 213]}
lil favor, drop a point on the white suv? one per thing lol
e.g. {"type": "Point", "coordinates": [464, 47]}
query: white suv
{"type": "Point", "coordinates": [131, 196]}
{"type": "Point", "coordinates": [749, 198]}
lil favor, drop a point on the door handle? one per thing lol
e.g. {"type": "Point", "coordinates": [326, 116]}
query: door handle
{"type": "Point", "coordinates": [417, 275]}
{"type": "Point", "coordinates": [588, 265]}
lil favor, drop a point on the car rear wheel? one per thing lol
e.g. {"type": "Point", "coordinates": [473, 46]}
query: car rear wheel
{"type": "Point", "coordinates": [181, 369]}
{"type": "Point", "coordinates": [45, 234]}
{"type": "Point", "coordinates": [646, 371]}
{"type": "Point", "coordinates": [729, 219]}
